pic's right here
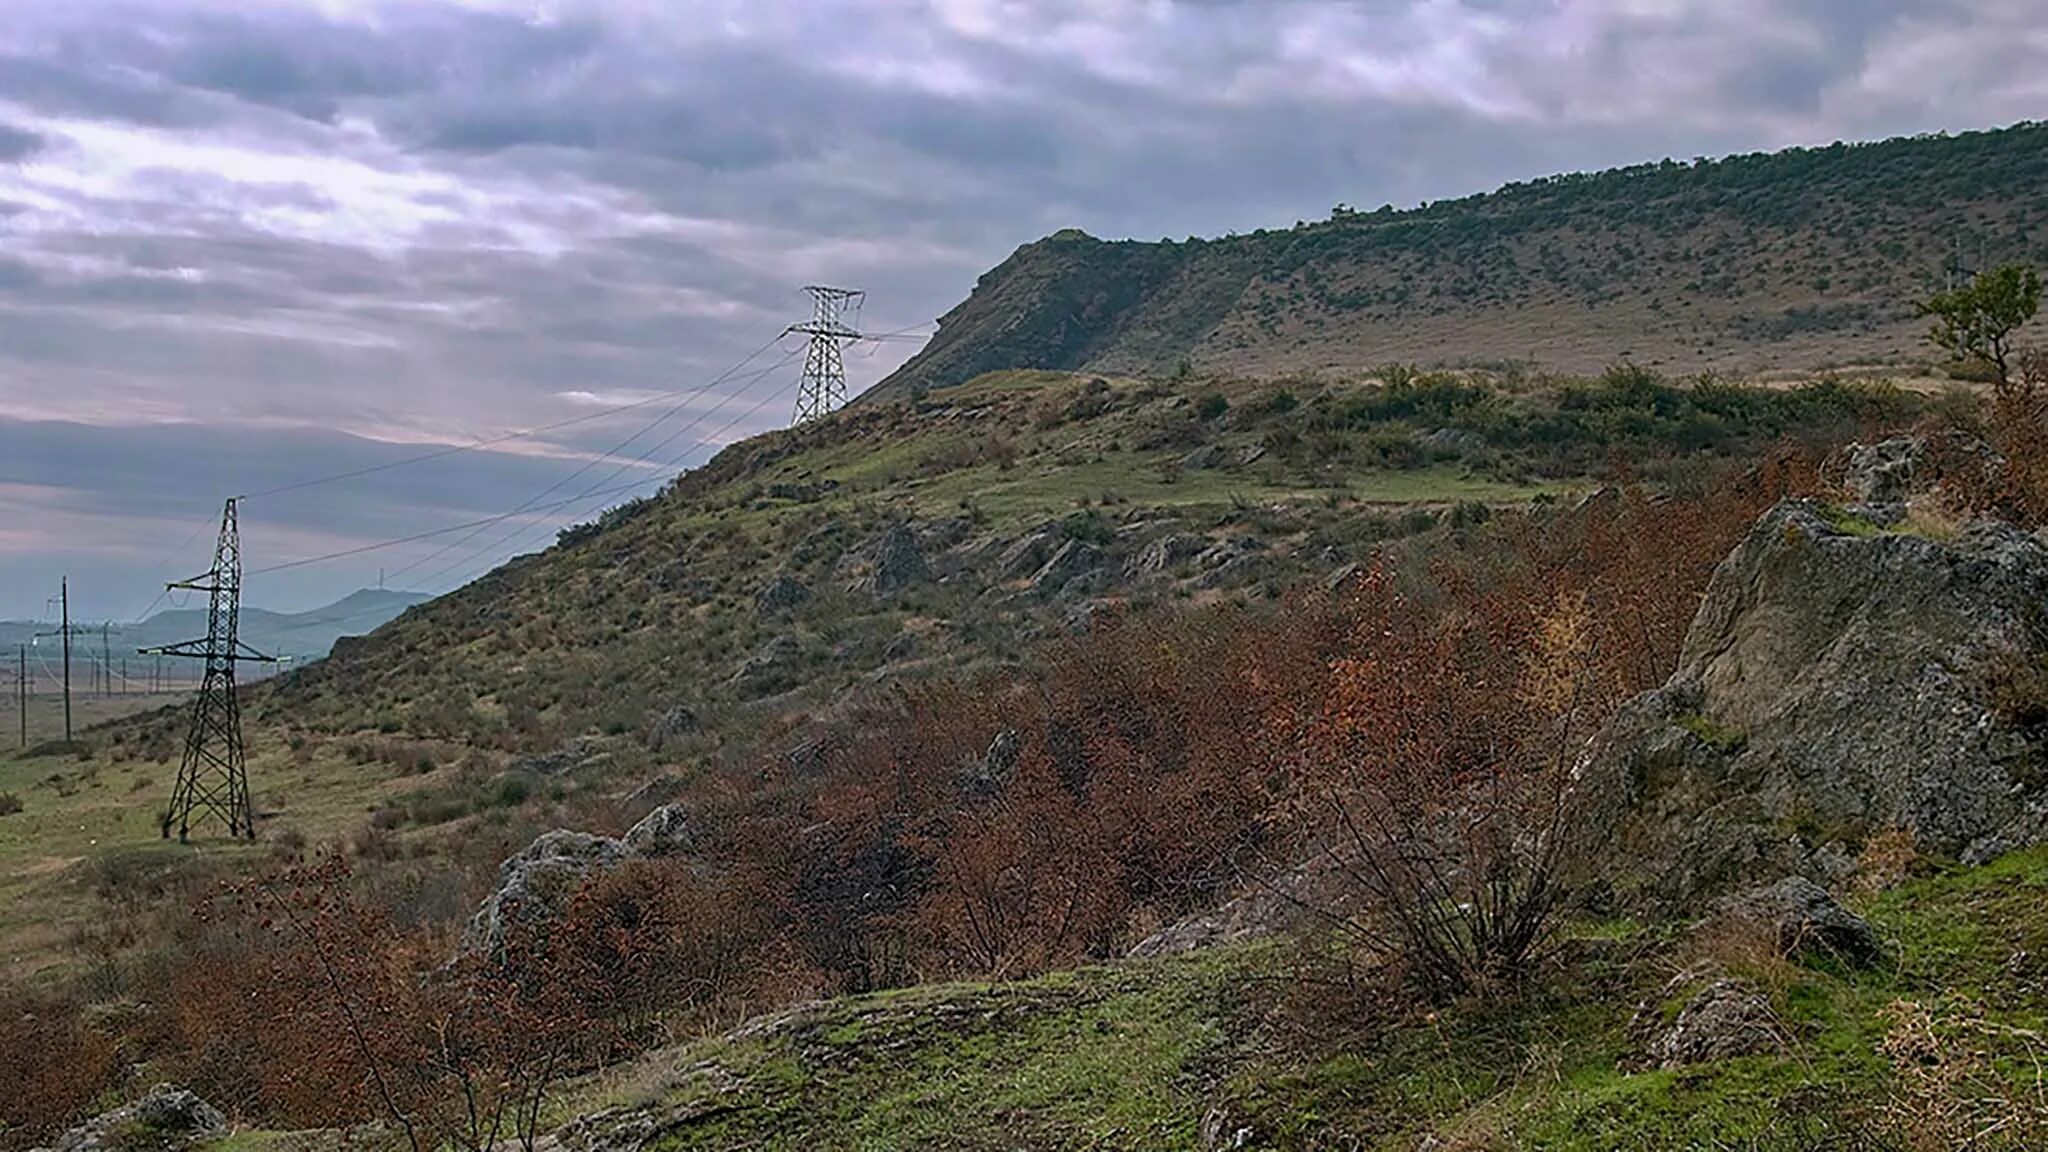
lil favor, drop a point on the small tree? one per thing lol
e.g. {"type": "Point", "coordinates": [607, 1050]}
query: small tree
{"type": "Point", "coordinates": [1977, 321]}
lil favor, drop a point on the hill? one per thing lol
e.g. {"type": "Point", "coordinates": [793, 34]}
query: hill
{"type": "Point", "coordinates": [902, 540]}
{"type": "Point", "coordinates": [1793, 261]}
{"type": "Point", "coordinates": [299, 636]}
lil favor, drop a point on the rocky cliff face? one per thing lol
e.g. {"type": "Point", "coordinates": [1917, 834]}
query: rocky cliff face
{"type": "Point", "coordinates": [1842, 679]}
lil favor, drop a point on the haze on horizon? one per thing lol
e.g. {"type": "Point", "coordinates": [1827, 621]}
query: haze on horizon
{"type": "Point", "coordinates": [246, 242]}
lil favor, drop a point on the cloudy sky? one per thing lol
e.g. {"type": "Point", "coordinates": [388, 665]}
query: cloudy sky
{"type": "Point", "coordinates": [249, 242]}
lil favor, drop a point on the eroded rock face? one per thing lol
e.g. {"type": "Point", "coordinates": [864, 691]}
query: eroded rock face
{"type": "Point", "coordinates": [1074, 559]}
{"type": "Point", "coordinates": [895, 562]}
{"type": "Point", "coordinates": [168, 1118]}
{"type": "Point", "coordinates": [537, 882]}
{"type": "Point", "coordinates": [1836, 682]}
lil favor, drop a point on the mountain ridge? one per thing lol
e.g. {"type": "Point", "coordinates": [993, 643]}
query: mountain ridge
{"type": "Point", "coordinates": [1797, 260]}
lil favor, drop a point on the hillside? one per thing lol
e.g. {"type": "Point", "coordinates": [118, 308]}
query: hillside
{"type": "Point", "coordinates": [902, 540]}
{"type": "Point", "coordinates": [1789, 261]}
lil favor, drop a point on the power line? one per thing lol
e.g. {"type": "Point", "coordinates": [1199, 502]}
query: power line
{"type": "Point", "coordinates": [753, 409]}
{"type": "Point", "coordinates": [642, 458]}
{"type": "Point", "coordinates": [454, 449]}
{"type": "Point", "coordinates": [615, 450]}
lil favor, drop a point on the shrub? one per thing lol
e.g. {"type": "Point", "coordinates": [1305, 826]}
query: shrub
{"type": "Point", "coordinates": [9, 803]}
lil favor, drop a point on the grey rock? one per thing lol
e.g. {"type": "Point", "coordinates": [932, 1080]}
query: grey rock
{"type": "Point", "coordinates": [1232, 561]}
{"type": "Point", "coordinates": [580, 753]}
{"type": "Point", "coordinates": [1167, 552]}
{"type": "Point", "coordinates": [1805, 918]}
{"type": "Point", "coordinates": [666, 831]}
{"type": "Point", "coordinates": [660, 790]}
{"type": "Point", "coordinates": [1882, 473]}
{"type": "Point", "coordinates": [903, 647]}
{"type": "Point", "coordinates": [169, 1117]}
{"type": "Point", "coordinates": [986, 776]}
{"type": "Point", "coordinates": [1452, 442]}
{"type": "Point", "coordinates": [1074, 558]}
{"type": "Point", "coordinates": [781, 594]}
{"type": "Point", "coordinates": [768, 668]}
{"type": "Point", "coordinates": [679, 722]}
{"type": "Point", "coordinates": [1202, 459]}
{"type": "Point", "coordinates": [534, 883]}
{"type": "Point", "coordinates": [1338, 580]}
{"type": "Point", "coordinates": [1722, 1019]}
{"type": "Point", "coordinates": [1250, 454]}
{"type": "Point", "coordinates": [539, 880]}
{"type": "Point", "coordinates": [1855, 669]}
{"type": "Point", "coordinates": [895, 562]}
{"type": "Point", "coordinates": [1028, 553]}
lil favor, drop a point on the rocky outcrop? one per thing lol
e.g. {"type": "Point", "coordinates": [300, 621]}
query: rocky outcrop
{"type": "Point", "coordinates": [1804, 918]}
{"type": "Point", "coordinates": [673, 726]}
{"type": "Point", "coordinates": [769, 668]}
{"type": "Point", "coordinates": [1836, 682]}
{"type": "Point", "coordinates": [168, 1118]}
{"type": "Point", "coordinates": [539, 880]}
{"type": "Point", "coordinates": [583, 752]}
{"type": "Point", "coordinates": [895, 562]}
{"type": "Point", "coordinates": [1721, 1019]}
{"type": "Point", "coordinates": [1075, 559]}
{"type": "Point", "coordinates": [780, 595]}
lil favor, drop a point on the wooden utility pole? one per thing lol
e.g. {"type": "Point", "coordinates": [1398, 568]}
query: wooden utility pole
{"type": "Point", "coordinates": [21, 688]}
{"type": "Point", "coordinates": [64, 630]}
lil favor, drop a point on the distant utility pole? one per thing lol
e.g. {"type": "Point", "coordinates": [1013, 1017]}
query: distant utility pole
{"type": "Point", "coordinates": [21, 688]}
{"type": "Point", "coordinates": [823, 388]}
{"type": "Point", "coordinates": [214, 776]}
{"type": "Point", "coordinates": [64, 630]}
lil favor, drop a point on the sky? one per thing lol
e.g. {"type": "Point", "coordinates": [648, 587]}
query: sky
{"type": "Point", "coordinates": [249, 243]}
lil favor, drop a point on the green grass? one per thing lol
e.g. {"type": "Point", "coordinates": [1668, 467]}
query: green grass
{"type": "Point", "coordinates": [1723, 738]}
{"type": "Point", "coordinates": [1138, 1055]}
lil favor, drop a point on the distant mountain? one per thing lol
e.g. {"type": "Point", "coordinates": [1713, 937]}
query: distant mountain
{"type": "Point", "coordinates": [1795, 260]}
{"type": "Point", "coordinates": [301, 636]}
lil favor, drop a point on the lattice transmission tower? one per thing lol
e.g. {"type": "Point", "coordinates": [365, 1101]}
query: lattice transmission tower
{"type": "Point", "coordinates": [213, 778]}
{"type": "Point", "coordinates": [823, 388]}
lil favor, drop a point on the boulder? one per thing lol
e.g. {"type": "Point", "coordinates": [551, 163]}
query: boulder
{"type": "Point", "coordinates": [1722, 1019]}
{"type": "Point", "coordinates": [676, 724]}
{"type": "Point", "coordinates": [780, 594]}
{"type": "Point", "coordinates": [1451, 442]}
{"type": "Point", "coordinates": [768, 668]}
{"type": "Point", "coordinates": [1074, 558]}
{"type": "Point", "coordinates": [1805, 918]}
{"type": "Point", "coordinates": [1202, 459]}
{"type": "Point", "coordinates": [1167, 552]}
{"type": "Point", "coordinates": [1028, 553]}
{"type": "Point", "coordinates": [537, 882]}
{"type": "Point", "coordinates": [169, 1117]}
{"type": "Point", "coordinates": [666, 831]}
{"type": "Point", "coordinates": [1882, 473]}
{"type": "Point", "coordinates": [1836, 682]}
{"type": "Point", "coordinates": [894, 562]}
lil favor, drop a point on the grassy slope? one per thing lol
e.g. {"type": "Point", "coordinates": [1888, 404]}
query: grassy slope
{"type": "Point", "coordinates": [1138, 1055]}
{"type": "Point", "coordinates": [415, 729]}
{"type": "Point", "coordinates": [1752, 264]}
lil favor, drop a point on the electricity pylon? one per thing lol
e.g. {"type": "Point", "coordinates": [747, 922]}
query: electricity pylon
{"type": "Point", "coordinates": [823, 388]}
{"type": "Point", "coordinates": [214, 777]}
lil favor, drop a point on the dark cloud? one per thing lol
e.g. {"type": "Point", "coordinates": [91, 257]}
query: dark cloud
{"type": "Point", "coordinates": [244, 241]}
{"type": "Point", "coordinates": [18, 143]}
